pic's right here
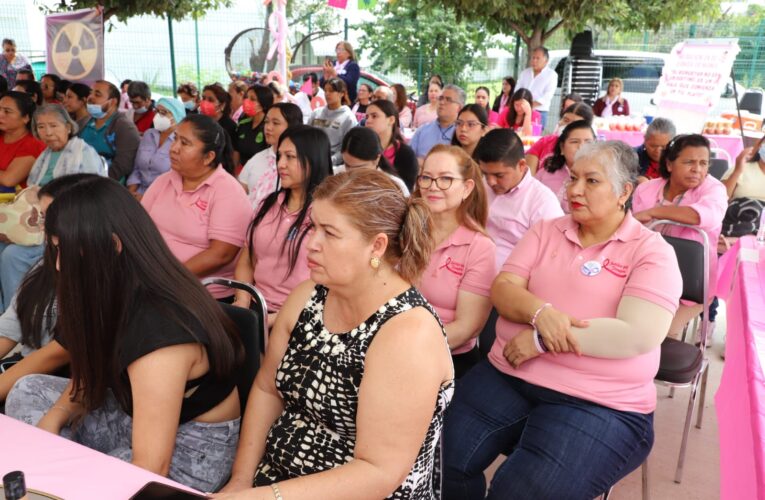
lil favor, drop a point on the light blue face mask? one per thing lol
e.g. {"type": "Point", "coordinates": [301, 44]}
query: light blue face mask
{"type": "Point", "coordinates": [762, 151]}
{"type": "Point", "coordinates": [140, 111]}
{"type": "Point", "coordinates": [96, 111]}
{"type": "Point", "coordinates": [189, 105]}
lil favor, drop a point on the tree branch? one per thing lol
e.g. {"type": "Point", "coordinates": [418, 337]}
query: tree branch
{"type": "Point", "coordinates": [519, 31]}
{"type": "Point", "coordinates": [110, 12]}
{"type": "Point", "coordinates": [552, 30]}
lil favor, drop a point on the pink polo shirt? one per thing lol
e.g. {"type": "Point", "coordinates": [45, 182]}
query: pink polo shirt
{"type": "Point", "coordinates": [216, 210]}
{"type": "Point", "coordinates": [513, 213]}
{"type": "Point", "coordinates": [556, 181]}
{"type": "Point", "coordinates": [271, 257]}
{"type": "Point", "coordinates": [709, 200]}
{"type": "Point", "coordinates": [635, 262]}
{"type": "Point", "coordinates": [464, 261]}
{"type": "Point", "coordinates": [543, 148]}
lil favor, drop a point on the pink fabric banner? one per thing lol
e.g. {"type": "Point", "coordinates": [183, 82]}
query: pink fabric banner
{"type": "Point", "coordinates": [340, 4]}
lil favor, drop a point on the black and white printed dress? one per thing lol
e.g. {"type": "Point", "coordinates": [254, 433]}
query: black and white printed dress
{"type": "Point", "coordinates": [319, 379]}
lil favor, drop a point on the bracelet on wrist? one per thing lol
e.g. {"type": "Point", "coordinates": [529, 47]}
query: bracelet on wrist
{"type": "Point", "coordinates": [533, 321]}
{"type": "Point", "coordinates": [277, 493]}
{"type": "Point", "coordinates": [539, 343]}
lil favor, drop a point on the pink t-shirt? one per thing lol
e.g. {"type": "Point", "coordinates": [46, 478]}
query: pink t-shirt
{"type": "Point", "coordinates": [543, 148]}
{"type": "Point", "coordinates": [513, 213]}
{"type": "Point", "coordinates": [271, 255]}
{"type": "Point", "coordinates": [423, 115]}
{"type": "Point", "coordinates": [556, 181]}
{"type": "Point", "coordinates": [464, 261]}
{"type": "Point", "coordinates": [536, 121]}
{"type": "Point", "coordinates": [635, 262]}
{"type": "Point", "coordinates": [709, 200]}
{"type": "Point", "coordinates": [216, 210]}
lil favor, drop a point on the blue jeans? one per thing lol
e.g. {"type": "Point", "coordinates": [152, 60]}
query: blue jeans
{"type": "Point", "coordinates": [559, 447]}
{"type": "Point", "coordinates": [15, 262]}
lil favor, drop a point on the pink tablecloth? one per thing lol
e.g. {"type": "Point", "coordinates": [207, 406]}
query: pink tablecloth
{"type": "Point", "coordinates": [732, 144]}
{"type": "Point", "coordinates": [740, 400]}
{"type": "Point", "coordinates": [634, 139]}
{"type": "Point", "coordinates": [66, 469]}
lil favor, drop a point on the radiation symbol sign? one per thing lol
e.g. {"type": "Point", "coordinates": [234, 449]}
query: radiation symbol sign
{"type": "Point", "coordinates": [75, 45]}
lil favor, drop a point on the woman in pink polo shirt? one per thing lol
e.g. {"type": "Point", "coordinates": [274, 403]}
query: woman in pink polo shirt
{"type": "Point", "coordinates": [545, 146]}
{"type": "Point", "coordinates": [555, 170]}
{"type": "Point", "coordinates": [275, 258]}
{"type": "Point", "coordinates": [461, 269]}
{"type": "Point", "coordinates": [199, 208]}
{"type": "Point", "coordinates": [685, 193]}
{"type": "Point", "coordinates": [585, 301]}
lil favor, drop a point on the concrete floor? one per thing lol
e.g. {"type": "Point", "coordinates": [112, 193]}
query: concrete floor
{"type": "Point", "coordinates": [701, 475]}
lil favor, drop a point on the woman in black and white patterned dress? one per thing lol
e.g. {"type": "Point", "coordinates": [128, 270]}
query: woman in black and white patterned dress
{"type": "Point", "coordinates": [350, 399]}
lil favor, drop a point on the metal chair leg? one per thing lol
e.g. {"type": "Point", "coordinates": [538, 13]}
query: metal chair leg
{"type": "Point", "coordinates": [607, 494]}
{"type": "Point", "coordinates": [646, 489]}
{"type": "Point", "coordinates": [687, 428]}
{"type": "Point", "coordinates": [702, 398]}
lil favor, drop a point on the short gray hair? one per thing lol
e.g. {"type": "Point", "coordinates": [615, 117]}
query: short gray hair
{"type": "Point", "coordinates": [389, 94]}
{"type": "Point", "coordinates": [619, 160]}
{"type": "Point", "coordinates": [460, 93]}
{"type": "Point", "coordinates": [661, 126]}
{"type": "Point", "coordinates": [59, 112]}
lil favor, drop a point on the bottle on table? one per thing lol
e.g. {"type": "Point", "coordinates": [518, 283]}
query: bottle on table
{"type": "Point", "coordinates": [14, 486]}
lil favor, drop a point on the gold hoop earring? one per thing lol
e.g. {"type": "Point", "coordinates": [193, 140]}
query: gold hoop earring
{"type": "Point", "coordinates": [374, 262]}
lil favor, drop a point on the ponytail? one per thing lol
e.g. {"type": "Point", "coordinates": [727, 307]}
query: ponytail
{"type": "Point", "coordinates": [416, 240]}
{"type": "Point", "coordinates": [215, 139]}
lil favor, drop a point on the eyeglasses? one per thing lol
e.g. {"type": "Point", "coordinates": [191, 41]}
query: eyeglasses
{"type": "Point", "coordinates": [447, 99]}
{"type": "Point", "coordinates": [469, 124]}
{"type": "Point", "coordinates": [442, 183]}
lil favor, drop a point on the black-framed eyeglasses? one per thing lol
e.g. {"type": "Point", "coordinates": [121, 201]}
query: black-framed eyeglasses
{"type": "Point", "coordinates": [443, 183]}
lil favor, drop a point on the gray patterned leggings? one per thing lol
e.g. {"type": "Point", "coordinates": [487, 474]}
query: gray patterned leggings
{"type": "Point", "coordinates": [203, 454]}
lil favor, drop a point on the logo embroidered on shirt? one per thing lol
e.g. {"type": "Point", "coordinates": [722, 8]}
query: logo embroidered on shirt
{"type": "Point", "coordinates": [201, 204]}
{"type": "Point", "coordinates": [453, 267]}
{"type": "Point", "coordinates": [615, 268]}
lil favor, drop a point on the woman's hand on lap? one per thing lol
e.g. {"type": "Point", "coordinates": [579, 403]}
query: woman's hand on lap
{"type": "Point", "coordinates": [521, 348]}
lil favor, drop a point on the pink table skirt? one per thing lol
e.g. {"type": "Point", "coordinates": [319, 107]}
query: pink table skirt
{"type": "Point", "coordinates": [66, 469]}
{"type": "Point", "coordinates": [731, 144]}
{"type": "Point", "coordinates": [740, 400]}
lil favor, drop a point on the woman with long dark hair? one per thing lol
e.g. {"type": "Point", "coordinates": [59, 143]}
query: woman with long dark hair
{"type": "Point", "coordinates": [482, 98]}
{"type": "Point", "coordinates": [336, 118]}
{"type": "Point", "coordinates": [274, 259]}
{"type": "Point", "coordinates": [30, 319]}
{"type": "Point", "coordinates": [153, 357]}
{"type": "Point", "coordinates": [470, 126]}
{"type": "Point", "coordinates": [201, 210]}
{"type": "Point", "coordinates": [503, 99]}
{"type": "Point", "coordinates": [362, 149]}
{"type": "Point", "coordinates": [250, 136]}
{"type": "Point", "coordinates": [520, 115]}
{"type": "Point", "coordinates": [216, 103]}
{"type": "Point", "coordinates": [382, 117]}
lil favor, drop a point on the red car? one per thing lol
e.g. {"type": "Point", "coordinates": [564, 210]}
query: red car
{"type": "Point", "coordinates": [371, 79]}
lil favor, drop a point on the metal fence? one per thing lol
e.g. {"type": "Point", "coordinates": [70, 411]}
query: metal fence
{"type": "Point", "coordinates": [140, 48]}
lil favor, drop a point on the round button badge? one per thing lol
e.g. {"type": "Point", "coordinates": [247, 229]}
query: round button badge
{"type": "Point", "coordinates": [591, 268]}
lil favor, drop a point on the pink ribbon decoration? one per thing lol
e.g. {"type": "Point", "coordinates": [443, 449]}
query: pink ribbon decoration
{"type": "Point", "coordinates": [277, 24]}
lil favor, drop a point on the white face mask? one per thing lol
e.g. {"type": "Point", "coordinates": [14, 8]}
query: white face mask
{"type": "Point", "coordinates": [161, 122]}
